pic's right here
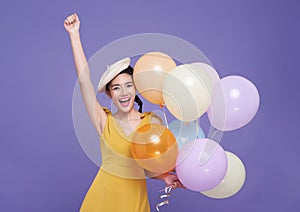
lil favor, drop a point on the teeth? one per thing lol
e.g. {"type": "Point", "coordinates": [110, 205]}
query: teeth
{"type": "Point", "coordinates": [124, 100]}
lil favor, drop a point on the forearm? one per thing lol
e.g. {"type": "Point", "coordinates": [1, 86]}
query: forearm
{"type": "Point", "coordinates": [80, 61]}
{"type": "Point", "coordinates": [169, 178]}
{"type": "Point", "coordinates": [159, 177]}
{"type": "Point", "coordinates": [153, 175]}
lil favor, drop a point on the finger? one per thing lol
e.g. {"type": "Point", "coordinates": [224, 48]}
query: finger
{"type": "Point", "coordinates": [67, 23]}
{"type": "Point", "coordinates": [73, 17]}
{"type": "Point", "coordinates": [175, 185]}
{"type": "Point", "coordinates": [70, 19]}
{"type": "Point", "coordinates": [76, 18]}
{"type": "Point", "coordinates": [181, 185]}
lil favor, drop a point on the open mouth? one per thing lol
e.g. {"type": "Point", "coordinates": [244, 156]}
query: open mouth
{"type": "Point", "coordinates": [125, 102]}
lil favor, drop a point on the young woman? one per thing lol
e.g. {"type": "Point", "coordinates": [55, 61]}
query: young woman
{"type": "Point", "coordinates": [120, 184]}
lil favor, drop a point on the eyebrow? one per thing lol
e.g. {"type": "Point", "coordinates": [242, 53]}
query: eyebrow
{"type": "Point", "coordinates": [120, 84]}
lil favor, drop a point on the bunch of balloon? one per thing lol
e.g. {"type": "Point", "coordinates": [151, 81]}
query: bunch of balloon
{"type": "Point", "coordinates": [149, 73]}
{"type": "Point", "coordinates": [187, 92]}
{"type": "Point", "coordinates": [154, 148]}
{"type": "Point", "coordinates": [202, 164]}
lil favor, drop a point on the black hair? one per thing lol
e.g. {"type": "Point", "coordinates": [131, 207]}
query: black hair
{"type": "Point", "coordinates": [128, 70]}
{"type": "Point", "coordinates": [139, 102]}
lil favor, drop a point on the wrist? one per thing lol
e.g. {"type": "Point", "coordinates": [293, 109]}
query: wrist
{"type": "Point", "coordinates": [74, 34]}
{"type": "Point", "coordinates": [164, 176]}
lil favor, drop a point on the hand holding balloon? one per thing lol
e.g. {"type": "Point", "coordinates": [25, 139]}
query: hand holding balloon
{"type": "Point", "coordinates": [171, 180]}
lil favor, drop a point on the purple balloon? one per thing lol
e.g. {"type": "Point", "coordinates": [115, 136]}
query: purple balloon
{"type": "Point", "coordinates": [194, 174]}
{"type": "Point", "coordinates": [235, 103]}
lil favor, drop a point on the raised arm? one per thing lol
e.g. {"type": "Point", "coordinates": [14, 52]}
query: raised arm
{"type": "Point", "coordinates": [94, 109]}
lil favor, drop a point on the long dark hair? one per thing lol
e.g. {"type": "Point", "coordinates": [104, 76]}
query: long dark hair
{"type": "Point", "coordinates": [128, 70]}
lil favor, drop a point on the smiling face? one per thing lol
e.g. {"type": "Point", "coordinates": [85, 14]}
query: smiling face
{"type": "Point", "coordinates": [122, 92]}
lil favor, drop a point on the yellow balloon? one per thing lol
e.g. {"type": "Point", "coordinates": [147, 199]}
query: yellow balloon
{"type": "Point", "coordinates": [149, 73]}
{"type": "Point", "coordinates": [233, 180]}
{"type": "Point", "coordinates": [187, 92]}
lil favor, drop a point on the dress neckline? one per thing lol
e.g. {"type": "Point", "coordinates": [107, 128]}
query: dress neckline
{"type": "Point", "coordinates": [120, 129]}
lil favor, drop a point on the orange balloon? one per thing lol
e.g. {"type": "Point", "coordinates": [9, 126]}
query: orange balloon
{"type": "Point", "coordinates": [154, 148]}
{"type": "Point", "coordinates": [149, 73]}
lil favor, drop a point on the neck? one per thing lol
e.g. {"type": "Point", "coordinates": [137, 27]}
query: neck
{"type": "Point", "coordinates": [132, 114]}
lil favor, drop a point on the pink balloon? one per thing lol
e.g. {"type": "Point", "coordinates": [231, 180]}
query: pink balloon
{"type": "Point", "coordinates": [194, 174]}
{"type": "Point", "coordinates": [235, 103]}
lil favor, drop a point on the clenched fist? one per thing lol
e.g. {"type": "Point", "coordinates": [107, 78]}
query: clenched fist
{"type": "Point", "coordinates": [72, 23]}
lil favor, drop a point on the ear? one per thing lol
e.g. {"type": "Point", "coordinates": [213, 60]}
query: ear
{"type": "Point", "coordinates": [108, 94]}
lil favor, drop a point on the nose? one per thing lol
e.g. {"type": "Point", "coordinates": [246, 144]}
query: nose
{"type": "Point", "coordinates": [124, 91]}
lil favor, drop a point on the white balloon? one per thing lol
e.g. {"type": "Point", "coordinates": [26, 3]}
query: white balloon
{"type": "Point", "coordinates": [187, 92]}
{"type": "Point", "coordinates": [233, 180]}
{"type": "Point", "coordinates": [213, 74]}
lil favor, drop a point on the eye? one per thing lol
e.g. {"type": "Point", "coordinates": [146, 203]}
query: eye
{"type": "Point", "coordinates": [115, 88]}
{"type": "Point", "coordinates": [129, 85]}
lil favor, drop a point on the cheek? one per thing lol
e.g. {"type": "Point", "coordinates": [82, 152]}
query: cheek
{"type": "Point", "coordinates": [114, 99]}
{"type": "Point", "coordinates": [132, 90]}
{"type": "Point", "coordinates": [113, 94]}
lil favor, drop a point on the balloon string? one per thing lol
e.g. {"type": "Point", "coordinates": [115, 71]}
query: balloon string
{"type": "Point", "coordinates": [215, 131]}
{"type": "Point", "coordinates": [165, 117]}
{"type": "Point", "coordinates": [209, 149]}
{"type": "Point", "coordinates": [167, 191]}
{"type": "Point", "coordinates": [197, 127]}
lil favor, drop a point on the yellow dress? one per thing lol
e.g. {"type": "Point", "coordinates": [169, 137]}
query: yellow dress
{"type": "Point", "coordinates": [120, 184]}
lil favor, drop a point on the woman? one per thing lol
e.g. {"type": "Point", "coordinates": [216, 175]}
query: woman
{"type": "Point", "coordinates": [120, 184]}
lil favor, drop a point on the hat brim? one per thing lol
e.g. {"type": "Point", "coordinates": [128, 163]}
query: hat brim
{"type": "Point", "coordinates": [111, 72]}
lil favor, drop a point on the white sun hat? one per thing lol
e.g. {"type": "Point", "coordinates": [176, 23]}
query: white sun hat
{"type": "Point", "coordinates": [112, 71]}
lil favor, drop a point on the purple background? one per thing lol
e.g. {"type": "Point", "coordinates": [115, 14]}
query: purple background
{"type": "Point", "coordinates": [43, 168]}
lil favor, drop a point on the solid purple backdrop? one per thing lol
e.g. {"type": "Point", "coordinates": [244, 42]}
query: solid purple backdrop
{"type": "Point", "coordinates": [43, 168]}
